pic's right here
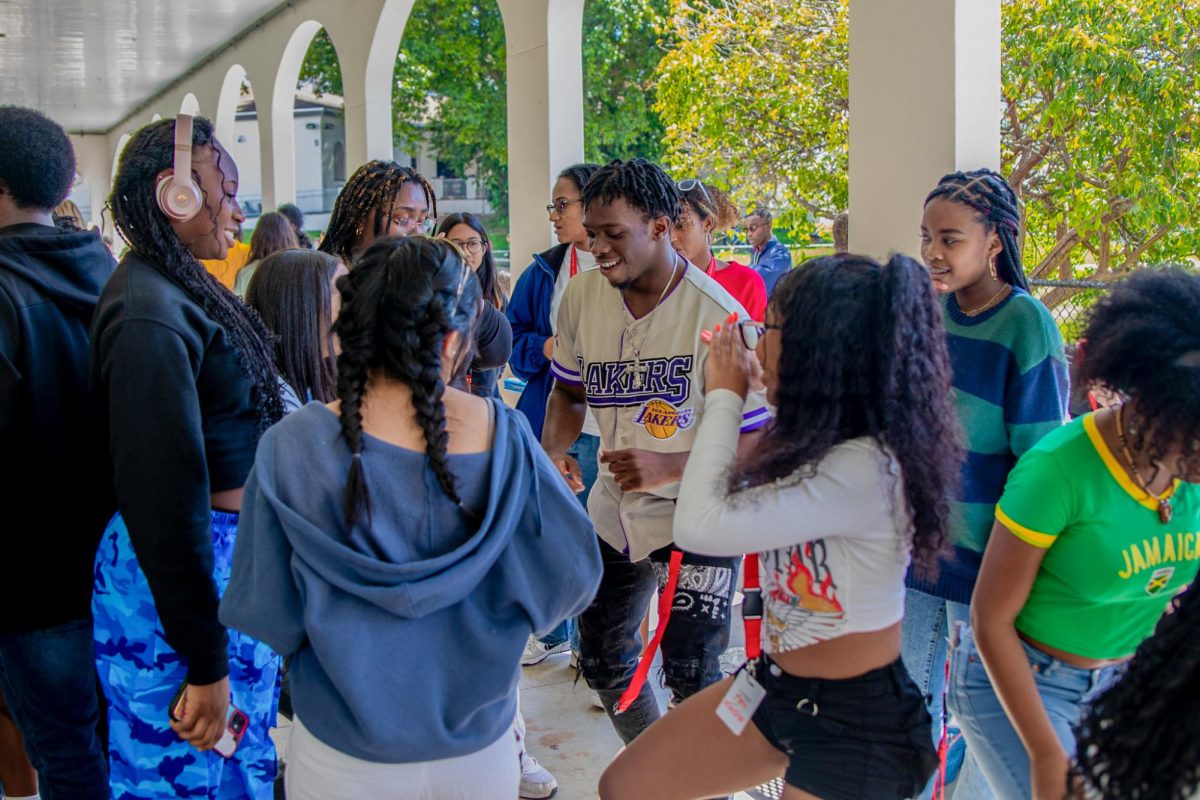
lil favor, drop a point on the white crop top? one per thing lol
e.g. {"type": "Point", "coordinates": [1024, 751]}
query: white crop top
{"type": "Point", "coordinates": [831, 544]}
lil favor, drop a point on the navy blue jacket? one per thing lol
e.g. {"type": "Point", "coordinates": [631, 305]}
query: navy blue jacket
{"type": "Point", "coordinates": [529, 314]}
{"type": "Point", "coordinates": [772, 262]}
{"type": "Point", "coordinates": [58, 494]}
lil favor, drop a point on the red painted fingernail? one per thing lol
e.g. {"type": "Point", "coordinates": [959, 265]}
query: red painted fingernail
{"type": "Point", "coordinates": [733, 315]}
{"type": "Point", "coordinates": [717, 329]}
{"type": "Point", "coordinates": [706, 336]}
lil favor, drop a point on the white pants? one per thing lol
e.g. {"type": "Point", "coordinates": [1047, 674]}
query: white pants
{"type": "Point", "coordinates": [316, 771]}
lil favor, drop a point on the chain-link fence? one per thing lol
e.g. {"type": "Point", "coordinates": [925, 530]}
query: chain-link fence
{"type": "Point", "coordinates": [1068, 301]}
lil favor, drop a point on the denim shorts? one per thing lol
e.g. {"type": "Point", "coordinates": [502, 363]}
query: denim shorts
{"type": "Point", "coordinates": [846, 739]}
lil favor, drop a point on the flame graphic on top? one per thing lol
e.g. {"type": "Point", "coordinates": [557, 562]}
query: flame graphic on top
{"type": "Point", "coordinates": [801, 582]}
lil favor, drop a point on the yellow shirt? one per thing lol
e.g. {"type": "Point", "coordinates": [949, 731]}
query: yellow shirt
{"type": "Point", "coordinates": [226, 269]}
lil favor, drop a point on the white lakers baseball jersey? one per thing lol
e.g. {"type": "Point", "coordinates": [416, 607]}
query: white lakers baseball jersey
{"type": "Point", "coordinates": [644, 381]}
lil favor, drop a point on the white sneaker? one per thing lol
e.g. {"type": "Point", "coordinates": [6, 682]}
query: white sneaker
{"type": "Point", "coordinates": [536, 652]}
{"type": "Point", "coordinates": [536, 781]}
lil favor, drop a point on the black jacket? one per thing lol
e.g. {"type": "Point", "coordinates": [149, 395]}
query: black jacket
{"type": "Point", "coordinates": [56, 491]}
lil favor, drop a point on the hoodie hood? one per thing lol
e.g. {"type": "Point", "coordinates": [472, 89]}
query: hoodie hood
{"type": "Point", "coordinates": [69, 267]}
{"type": "Point", "coordinates": [359, 564]}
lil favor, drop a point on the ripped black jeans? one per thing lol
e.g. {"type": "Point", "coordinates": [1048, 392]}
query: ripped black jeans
{"type": "Point", "coordinates": [698, 632]}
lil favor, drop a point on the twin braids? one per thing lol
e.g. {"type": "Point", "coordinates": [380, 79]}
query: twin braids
{"type": "Point", "coordinates": [150, 235]}
{"type": "Point", "coordinates": [401, 300]}
{"type": "Point", "coordinates": [989, 194]}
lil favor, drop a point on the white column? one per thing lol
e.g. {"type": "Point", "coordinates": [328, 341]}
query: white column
{"type": "Point", "coordinates": [924, 101]}
{"type": "Point", "coordinates": [544, 40]}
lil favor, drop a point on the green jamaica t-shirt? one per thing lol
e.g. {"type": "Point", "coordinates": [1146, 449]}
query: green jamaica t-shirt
{"type": "Point", "coordinates": [1111, 565]}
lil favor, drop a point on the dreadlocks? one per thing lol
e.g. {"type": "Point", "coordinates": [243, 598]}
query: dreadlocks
{"type": "Point", "coordinates": [641, 183]}
{"type": "Point", "coordinates": [149, 233]}
{"type": "Point", "coordinates": [990, 195]}
{"type": "Point", "coordinates": [374, 185]}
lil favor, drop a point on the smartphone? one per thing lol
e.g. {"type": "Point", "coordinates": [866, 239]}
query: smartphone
{"type": "Point", "coordinates": [236, 723]}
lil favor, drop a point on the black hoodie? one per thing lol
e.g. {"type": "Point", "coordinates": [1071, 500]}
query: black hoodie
{"type": "Point", "coordinates": [56, 489]}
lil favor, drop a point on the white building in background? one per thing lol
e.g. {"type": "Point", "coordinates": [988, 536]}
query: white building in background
{"type": "Point", "coordinates": [321, 169]}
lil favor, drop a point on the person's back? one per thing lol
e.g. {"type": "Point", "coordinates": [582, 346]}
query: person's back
{"type": "Point", "coordinates": [57, 494]}
{"type": "Point", "coordinates": [394, 549]}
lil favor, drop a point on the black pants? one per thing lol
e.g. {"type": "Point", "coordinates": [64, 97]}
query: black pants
{"type": "Point", "coordinates": [698, 631]}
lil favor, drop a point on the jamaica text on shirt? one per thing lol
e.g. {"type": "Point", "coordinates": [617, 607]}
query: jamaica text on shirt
{"type": "Point", "coordinates": [1162, 549]}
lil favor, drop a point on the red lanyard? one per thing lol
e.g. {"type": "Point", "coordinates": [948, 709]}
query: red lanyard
{"type": "Point", "coordinates": [574, 262]}
{"type": "Point", "coordinates": [712, 265]}
{"type": "Point", "coordinates": [752, 607]}
{"type": "Point", "coordinates": [665, 601]}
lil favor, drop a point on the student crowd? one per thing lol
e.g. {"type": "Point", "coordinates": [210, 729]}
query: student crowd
{"type": "Point", "coordinates": [223, 460]}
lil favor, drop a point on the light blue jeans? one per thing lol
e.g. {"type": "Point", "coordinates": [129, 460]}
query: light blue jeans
{"type": "Point", "coordinates": [1065, 691]}
{"type": "Point", "coordinates": [924, 632]}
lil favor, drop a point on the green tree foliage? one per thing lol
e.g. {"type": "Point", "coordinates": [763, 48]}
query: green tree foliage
{"type": "Point", "coordinates": [1102, 130]}
{"type": "Point", "coordinates": [450, 83]}
{"type": "Point", "coordinates": [623, 41]}
{"type": "Point", "coordinates": [755, 96]}
{"type": "Point", "coordinates": [1101, 133]}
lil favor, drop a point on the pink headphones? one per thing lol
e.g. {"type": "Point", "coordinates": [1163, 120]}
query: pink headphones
{"type": "Point", "coordinates": [179, 196]}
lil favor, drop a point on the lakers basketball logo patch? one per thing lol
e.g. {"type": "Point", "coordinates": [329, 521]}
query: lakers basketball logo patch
{"type": "Point", "coordinates": [662, 419]}
{"type": "Point", "coordinates": [1159, 580]}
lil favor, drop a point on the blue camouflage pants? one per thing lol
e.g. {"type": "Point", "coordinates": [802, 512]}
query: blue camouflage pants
{"type": "Point", "coordinates": [140, 674]}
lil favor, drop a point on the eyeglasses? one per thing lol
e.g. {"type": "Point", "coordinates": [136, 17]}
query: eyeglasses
{"type": "Point", "coordinates": [560, 205]}
{"type": "Point", "coordinates": [752, 332]}
{"type": "Point", "coordinates": [424, 226]}
{"type": "Point", "coordinates": [688, 184]}
{"type": "Point", "coordinates": [471, 247]}
{"type": "Point", "coordinates": [753, 226]}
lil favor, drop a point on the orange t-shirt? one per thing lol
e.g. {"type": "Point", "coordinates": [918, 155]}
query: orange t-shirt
{"type": "Point", "coordinates": [226, 269]}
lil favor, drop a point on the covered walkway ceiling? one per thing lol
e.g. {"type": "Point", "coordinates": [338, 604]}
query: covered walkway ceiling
{"type": "Point", "coordinates": [89, 63]}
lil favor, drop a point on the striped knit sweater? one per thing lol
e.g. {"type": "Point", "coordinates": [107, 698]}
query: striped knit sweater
{"type": "Point", "coordinates": [1011, 388]}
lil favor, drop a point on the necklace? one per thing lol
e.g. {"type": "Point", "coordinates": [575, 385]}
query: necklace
{"type": "Point", "coordinates": [1165, 512]}
{"type": "Point", "coordinates": [636, 372]}
{"type": "Point", "coordinates": [992, 302]}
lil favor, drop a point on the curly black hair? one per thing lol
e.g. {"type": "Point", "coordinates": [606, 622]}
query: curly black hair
{"type": "Point", "coordinates": [38, 167]}
{"type": "Point", "coordinates": [641, 183]}
{"type": "Point", "coordinates": [987, 192]}
{"type": "Point", "coordinates": [374, 185]}
{"type": "Point", "coordinates": [863, 353]}
{"type": "Point", "coordinates": [135, 211]}
{"type": "Point", "coordinates": [1143, 341]}
{"type": "Point", "coordinates": [1140, 740]}
{"type": "Point", "coordinates": [398, 304]}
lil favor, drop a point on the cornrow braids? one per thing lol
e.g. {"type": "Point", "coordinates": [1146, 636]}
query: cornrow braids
{"type": "Point", "coordinates": [135, 211]}
{"type": "Point", "coordinates": [402, 299]}
{"type": "Point", "coordinates": [374, 185]}
{"type": "Point", "coordinates": [989, 194]}
{"type": "Point", "coordinates": [709, 202]}
{"type": "Point", "coordinates": [641, 183]}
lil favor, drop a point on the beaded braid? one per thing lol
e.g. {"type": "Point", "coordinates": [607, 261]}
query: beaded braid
{"type": "Point", "coordinates": [989, 194]}
{"type": "Point", "coordinates": [374, 185]}
{"type": "Point", "coordinates": [135, 211]}
{"type": "Point", "coordinates": [641, 183]}
{"type": "Point", "coordinates": [399, 303]}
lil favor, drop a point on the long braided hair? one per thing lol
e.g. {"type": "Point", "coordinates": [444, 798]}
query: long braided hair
{"type": "Point", "coordinates": [374, 185]}
{"type": "Point", "coordinates": [863, 353]}
{"type": "Point", "coordinates": [1140, 740]}
{"type": "Point", "coordinates": [401, 300]}
{"type": "Point", "coordinates": [135, 211]}
{"type": "Point", "coordinates": [989, 194]}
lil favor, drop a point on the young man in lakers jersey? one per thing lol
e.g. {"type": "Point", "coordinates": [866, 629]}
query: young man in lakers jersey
{"type": "Point", "coordinates": [628, 347]}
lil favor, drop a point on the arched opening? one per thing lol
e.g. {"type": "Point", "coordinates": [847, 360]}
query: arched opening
{"type": "Point", "coordinates": [284, 140]}
{"type": "Point", "coordinates": [450, 107]}
{"type": "Point", "coordinates": [124, 140]}
{"type": "Point", "coordinates": [237, 129]}
{"type": "Point", "coordinates": [190, 105]}
{"type": "Point", "coordinates": [81, 196]}
{"type": "Point", "coordinates": [319, 130]}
